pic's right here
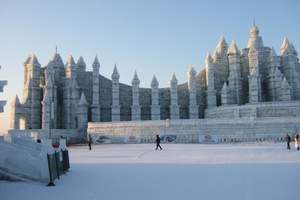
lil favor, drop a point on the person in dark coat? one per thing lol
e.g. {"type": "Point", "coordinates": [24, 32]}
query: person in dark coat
{"type": "Point", "coordinates": [297, 141]}
{"type": "Point", "coordinates": [158, 142]}
{"type": "Point", "coordinates": [288, 141]}
{"type": "Point", "coordinates": [90, 142]}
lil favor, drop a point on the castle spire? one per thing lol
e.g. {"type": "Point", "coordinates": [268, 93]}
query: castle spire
{"type": "Point", "coordinates": [154, 82]}
{"type": "Point", "coordinates": [221, 46]}
{"type": "Point", "coordinates": [135, 80]}
{"type": "Point", "coordinates": [70, 61]}
{"type": "Point", "coordinates": [33, 60]}
{"type": "Point", "coordinates": [82, 100]}
{"type": "Point", "coordinates": [115, 75]}
{"type": "Point", "coordinates": [233, 49]}
{"type": "Point", "coordinates": [96, 62]}
{"type": "Point", "coordinates": [255, 40]}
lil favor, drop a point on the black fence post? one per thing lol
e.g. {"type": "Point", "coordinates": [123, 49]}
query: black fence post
{"type": "Point", "coordinates": [56, 163]}
{"type": "Point", "coordinates": [50, 172]}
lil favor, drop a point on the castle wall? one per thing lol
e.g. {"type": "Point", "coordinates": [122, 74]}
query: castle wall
{"type": "Point", "coordinates": [195, 130]}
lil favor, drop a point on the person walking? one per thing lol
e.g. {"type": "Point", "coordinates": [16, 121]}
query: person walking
{"type": "Point", "coordinates": [288, 141]}
{"type": "Point", "coordinates": [90, 142]}
{"type": "Point", "coordinates": [158, 142]}
{"type": "Point", "coordinates": [297, 141]}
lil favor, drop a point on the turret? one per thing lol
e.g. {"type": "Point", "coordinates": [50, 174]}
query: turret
{"type": "Point", "coordinates": [155, 108]}
{"type": "Point", "coordinates": [289, 63]}
{"type": "Point", "coordinates": [234, 79]}
{"type": "Point", "coordinates": [71, 67]}
{"type": "Point", "coordinates": [81, 64]}
{"type": "Point", "coordinates": [96, 91]}
{"type": "Point", "coordinates": [115, 107]}
{"type": "Point", "coordinates": [15, 113]}
{"type": "Point", "coordinates": [255, 40]}
{"type": "Point", "coordinates": [210, 81]}
{"type": "Point", "coordinates": [285, 91]}
{"type": "Point", "coordinates": [135, 108]}
{"type": "Point", "coordinates": [82, 114]}
{"type": "Point", "coordinates": [193, 107]}
{"type": "Point", "coordinates": [70, 98]}
{"type": "Point", "coordinates": [32, 91]}
{"type": "Point", "coordinates": [254, 86]}
{"type": "Point", "coordinates": [221, 64]}
{"type": "Point", "coordinates": [49, 108]}
{"type": "Point", "coordinates": [174, 108]}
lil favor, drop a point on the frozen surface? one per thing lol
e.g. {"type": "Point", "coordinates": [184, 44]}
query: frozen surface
{"type": "Point", "coordinates": [191, 171]}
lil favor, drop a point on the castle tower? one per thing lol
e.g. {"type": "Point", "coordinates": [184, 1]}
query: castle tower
{"type": "Point", "coordinates": [56, 68]}
{"type": "Point", "coordinates": [174, 108]}
{"type": "Point", "coordinates": [82, 113]}
{"type": "Point", "coordinates": [135, 108]}
{"type": "Point", "coordinates": [71, 94]}
{"type": "Point", "coordinates": [210, 82]}
{"type": "Point", "coordinates": [193, 107]}
{"type": "Point", "coordinates": [48, 114]}
{"type": "Point", "coordinates": [81, 64]}
{"type": "Point", "coordinates": [155, 108]}
{"type": "Point", "coordinates": [275, 76]}
{"type": "Point", "coordinates": [32, 92]}
{"type": "Point", "coordinates": [234, 79]}
{"type": "Point", "coordinates": [289, 62]}
{"type": "Point", "coordinates": [254, 86]}
{"type": "Point", "coordinates": [255, 40]}
{"type": "Point", "coordinates": [115, 107]}
{"type": "Point", "coordinates": [15, 113]}
{"type": "Point", "coordinates": [96, 91]}
{"type": "Point", "coordinates": [221, 66]}
{"type": "Point", "coordinates": [285, 91]}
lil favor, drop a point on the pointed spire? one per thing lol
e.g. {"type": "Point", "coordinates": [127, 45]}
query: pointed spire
{"type": "Point", "coordinates": [16, 101]}
{"type": "Point", "coordinates": [285, 45]}
{"type": "Point", "coordinates": [27, 60]}
{"type": "Point", "coordinates": [174, 79]}
{"type": "Point", "coordinates": [208, 58]}
{"type": "Point", "coordinates": [192, 71]}
{"type": "Point", "coordinates": [96, 62]}
{"type": "Point", "coordinates": [70, 61]}
{"type": "Point", "coordinates": [135, 80]}
{"type": "Point", "coordinates": [56, 60]}
{"type": "Point", "coordinates": [33, 60]}
{"type": "Point", "coordinates": [82, 101]}
{"type": "Point", "coordinates": [80, 61]}
{"type": "Point", "coordinates": [115, 75]}
{"type": "Point", "coordinates": [254, 31]}
{"type": "Point", "coordinates": [221, 46]}
{"type": "Point", "coordinates": [285, 84]}
{"type": "Point", "coordinates": [154, 82]}
{"type": "Point", "coordinates": [233, 49]}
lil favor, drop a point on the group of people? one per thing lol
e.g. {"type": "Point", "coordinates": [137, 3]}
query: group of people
{"type": "Point", "coordinates": [288, 140]}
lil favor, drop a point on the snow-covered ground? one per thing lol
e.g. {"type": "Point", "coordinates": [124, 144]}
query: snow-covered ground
{"type": "Point", "coordinates": [179, 171]}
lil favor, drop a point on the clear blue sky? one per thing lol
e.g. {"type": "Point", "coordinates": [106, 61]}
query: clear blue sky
{"type": "Point", "coordinates": [153, 37]}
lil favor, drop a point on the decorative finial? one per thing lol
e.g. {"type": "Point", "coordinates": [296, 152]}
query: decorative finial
{"type": "Point", "coordinates": [253, 21]}
{"type": "Point", "coordinates": [56, 49]}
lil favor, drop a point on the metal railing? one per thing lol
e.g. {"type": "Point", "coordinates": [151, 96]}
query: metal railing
{"type": "Point", "coordinates": [58, 164]}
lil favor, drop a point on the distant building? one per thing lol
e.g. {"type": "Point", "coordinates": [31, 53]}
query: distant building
{"type": "Point", "coordinates": [66, 96]}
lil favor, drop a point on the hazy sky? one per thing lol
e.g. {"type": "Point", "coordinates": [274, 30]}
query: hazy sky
{"type": "Point", "coordinates": [153, 37]}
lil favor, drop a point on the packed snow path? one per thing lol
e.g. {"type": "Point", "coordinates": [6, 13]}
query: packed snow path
{"type": "Point", "coordinates": [179, 171]}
